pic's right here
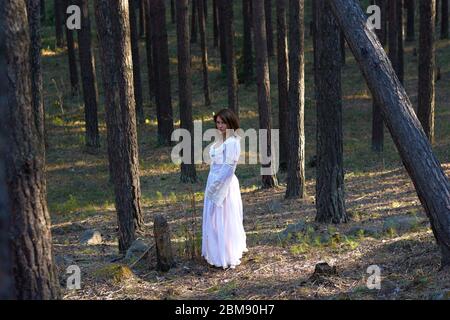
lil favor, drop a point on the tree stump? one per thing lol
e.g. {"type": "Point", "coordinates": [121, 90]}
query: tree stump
{"type": "Point", "coordinates": [163, 245]}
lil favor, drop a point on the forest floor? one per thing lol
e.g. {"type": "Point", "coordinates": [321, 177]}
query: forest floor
{"type": "Point", "coordinates": [388, 227]}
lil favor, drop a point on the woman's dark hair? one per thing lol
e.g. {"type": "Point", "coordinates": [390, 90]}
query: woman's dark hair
{"type": "Point", "coordinates": [229, 117]}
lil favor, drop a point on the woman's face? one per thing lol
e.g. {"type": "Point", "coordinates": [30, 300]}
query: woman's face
{"type": "Point", "coordinates": [221, 126]}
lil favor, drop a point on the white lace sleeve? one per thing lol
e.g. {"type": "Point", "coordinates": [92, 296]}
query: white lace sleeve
{"type": "Point", "coordinates": [218, 189]}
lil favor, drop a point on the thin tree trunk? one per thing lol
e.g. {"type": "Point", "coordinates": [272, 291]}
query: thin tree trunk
{"type": "Point", "coordinates": [401, 28]}
{"type": "Point", "coordinates": [59, 14]}
{"type": "Point", "coordinates": [444, 20]}
{"type": "Point", "coordinates": [115, 49]}
{"type": "Point", "coordinates": [161, 63]}
{"type": "Point", "coordinates": [222, 39]}
{"type": "Point", "coordinates": [172, 10]}
{"type": "Point", "coordinates": [330, 200]}
{"type": "Point", "coordinates": [377, 118]}
{"type": "Point", "coordinates": [247, 42]}
{"type": "Point", "coordinates": [215, 23]}
{"type": "Point", "coordinates": [204, 49]}
{"type": "Point", "coordinates": [227, 18]}
{"type": "Point", "coordinates": [296, 159]}
{"type": "Point", "coordinates": [188, 172]}
{"type": "Point", "coordinates": [32, 253]}
{"type": "Point", "coordinates": [263, 84]}
{"type": "Point", "coordinates": [411, 11]}
{"type": "Point", "coordinates": [269, 27]}
{"type": "Point", "coordinates": [430, 181]}
{"type": "Point", "coordinates": [141, 18]}
{"type": "Point", "coordinates": [393, 35]}
{"type": "Point", "coordinates": [88, 77]}
{"type": "Point", "coordinates": [283, 81]}
{"type": "Point", "coordinates": [137, 81]}
{"type": "Point", "coordinates": [426, 97]}
{"type": "Point", "coordinates": [71, 54]}
{"type": "Point", "coordinates": [205, 9]}
{"type": "Point", "coordinates": [149, 50]}
{"type": "Point", "coordinates": [193, 21]}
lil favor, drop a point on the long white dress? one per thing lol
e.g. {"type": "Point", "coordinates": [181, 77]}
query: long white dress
{"type": "Point", "coordinates": [224, 239]}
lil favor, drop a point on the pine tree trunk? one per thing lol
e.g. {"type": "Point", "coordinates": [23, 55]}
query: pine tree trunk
{"type": "Point", "coordinates": [71, 54]}
{"type": "Point", "coordinates": [141, 18]}
{"type": "Point", "coordinates": [32, 254]}
{"type": "Point", "coordinates": [269, 27]}
{"type": "Point", "coordinates": [204, 49]}
{"type": "Point", "coordinates": [263, 84]}
{"type": "Point", "coordinates": [222, 39]}
{"type": "Point", "coordinates": [400, 28]}
{"type": "Point", "coordinates": [330, 201]}
{"type": "Point", "coordinates": [43, 11]}
{"type": "Point", "coordinates": [411, 11]}
{"type": "Point", "coordinates": [296, 158]}
{"type": "Point", "coordinates": [137, 81]}
{"type": "Point", "coordinates": [6, 275]}
{"type": "Point", "coordinates": [33, 11]}
{"type": "Point", "coordinates": [172, 10]}
{"type": "Point", "coordinates": [444, 20]}
{"type": "Point", "coordinates": [283, 81]}
{"type": "Point", "coordinates": [149, 50]}
{"type": "Point", "coordinates": [88, 77]}
{"type": "Point", "coordinates": [426, 97]}
{"type": "Point", "coordinates": [430, 181]}
{"type": "Point", "coordinates": [161, 64]}
{"type": "Point", "coordinates": [188, 172]}
{"type": "Point", "coordinates": [247, 42]}
{"type": "Point", "coordinates": [193, 21]}
{"type": "Point", "coordinates": [59, 14]}
{"type": "Point", "coordinates": [228, 33]}
{"type": "Point", "coordinates": [215, 23]}
{"type": "Point", "coordinates": [393, 34]}
{"type": "Point", "coordinates": [115, 49]}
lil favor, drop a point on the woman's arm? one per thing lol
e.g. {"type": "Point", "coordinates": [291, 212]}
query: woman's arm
{"type": "Point", "coordinates": [218, 188]}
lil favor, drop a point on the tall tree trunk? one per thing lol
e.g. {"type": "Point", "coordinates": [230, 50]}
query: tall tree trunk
{"type": "Point", "coordinates": [161, 63]}
{"type": "Point", "coordinates": [59, 14]}
{"type": "Point", "coordinates": [283, 81]}
{"type": "Point", "coordinates": [33, 11]}
{"type": "Point", "coordinates": [115, 48]}
{"type": "Point", "coordinates": [140, 4]}
{"type": "Point", "coordinates": [88, 77]}
{"type": "Point", "coordinates": [411, 11]}
{"type": "Point", "coordinates": [222, 39]}
{"type": "Point", "coordinates": [149, 50]}
{"type": "Point", "coordinates": [188, 173]}
{"type": "Point", "coordinates": [393, 34]}
{"type": "Point", "coordinates": [137, 81]}
{"type": "Point", "coordinates": [72, 56]}
{"type": "Point", "coordinates": [269, 27]}
{"type": "Point", "coordinates": [193, 21]}
{"type": "Point", "coordinates": [6, 275]}
{"type": "Point", "coordinates": [247, 41]}
{"type": "Point", "coordinates": [426, 97]}
{"type": "Point", "coordinates": [330, 201]}
{"type": "Point", "coordinates": [263, 84]}
{"type": "Point", "coordinates": [43, 11]}
{"type": "Point", "coordinates": [226, 7]}
{"type": "Point", "coordinates": [172, 10]}
{"type": "Point", "coordinates": [400, 27]}
{"type": "Point", "coordinates": [377, 118]}
{"type": "Point", "coordinates": [296, 158]}
{"type": "Point", "coordinates": [205, 9]}
{"type": "Point", "coordinates": [32, 254]}
{"type": "Point", "coordinates": [430, 181]}
{"type": "Point", "coordinates": [444, 20]}
{"type": "Point", "coordinates": [215, 23]}
{"type": "Point", "coordinates": [204, 49]}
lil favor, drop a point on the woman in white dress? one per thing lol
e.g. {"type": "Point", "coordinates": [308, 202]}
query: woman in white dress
{"type": "Point", "coordinates": [224, 239]}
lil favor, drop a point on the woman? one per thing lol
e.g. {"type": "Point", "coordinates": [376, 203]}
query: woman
{"type": "Point", "coordinates": [224, 239]}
